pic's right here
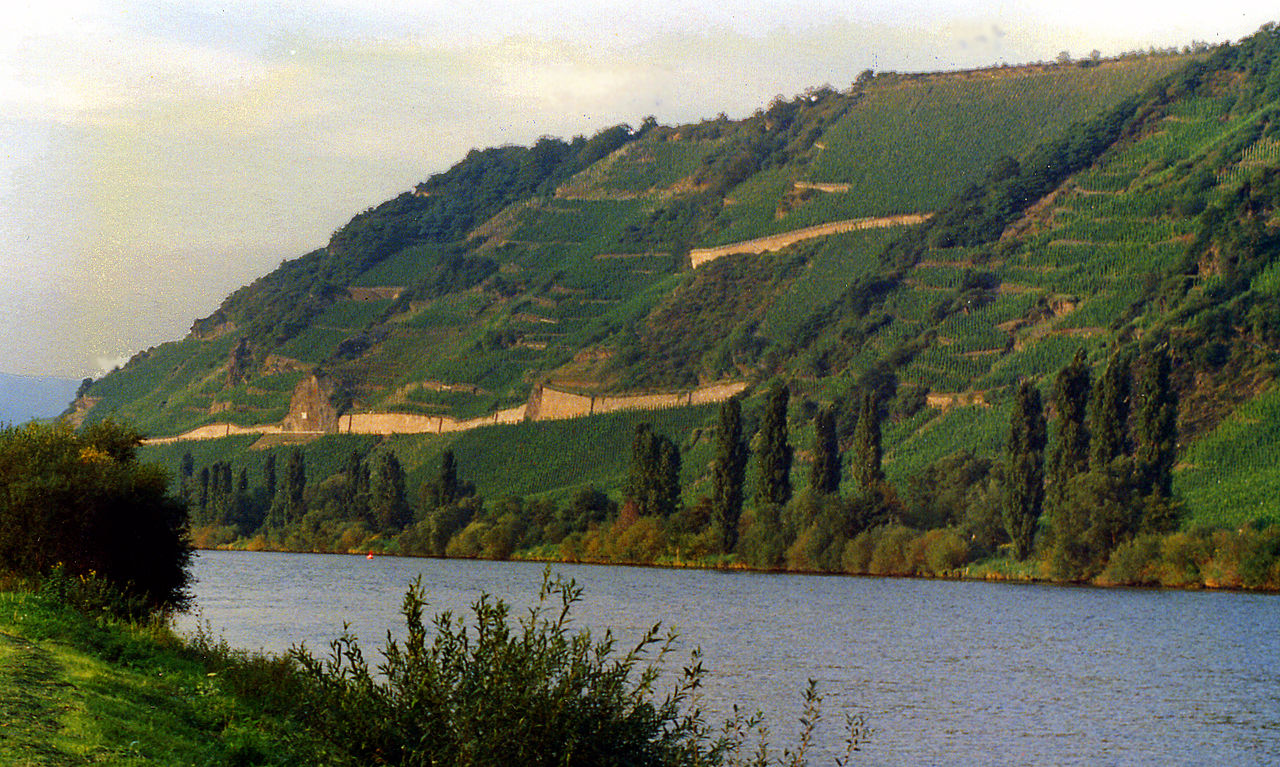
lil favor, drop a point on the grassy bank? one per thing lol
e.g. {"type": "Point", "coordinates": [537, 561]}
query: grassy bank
{"type": "Point", "coordinates": [81, 690]}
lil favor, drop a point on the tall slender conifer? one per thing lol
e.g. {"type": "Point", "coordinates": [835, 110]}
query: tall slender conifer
{"type": "Point", "coordinates": [824, 472]}
{"type": "Point", "coordinates": [775, 453]}
{"type": "Point", "coordinates": [727, 474]}
{"type": "Point", "coordinates": [865, 468]}
{"type": "Point", "coordinates": [1023, 470]}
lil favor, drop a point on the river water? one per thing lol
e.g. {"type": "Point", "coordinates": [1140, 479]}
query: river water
{"type": "Point", "coordinates": [946, 672]}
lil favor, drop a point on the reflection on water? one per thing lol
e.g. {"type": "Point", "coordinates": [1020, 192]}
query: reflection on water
{"type": "Point", "coordinates": [946, 672]}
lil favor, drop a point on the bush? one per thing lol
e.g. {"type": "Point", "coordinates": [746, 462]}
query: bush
{"type": "Point", "coordinates": [529, 694]}
{"type": "Point", "coordinates": [84, 505]}
{"type": "Point", "coordinates": [944, 550]}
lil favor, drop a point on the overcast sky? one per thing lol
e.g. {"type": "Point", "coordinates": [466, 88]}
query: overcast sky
{"type": "Point", "coordinates": [156, 156]}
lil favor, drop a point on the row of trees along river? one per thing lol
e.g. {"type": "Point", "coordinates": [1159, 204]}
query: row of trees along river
{"type": "Point", "coordinates": [1094, 503]}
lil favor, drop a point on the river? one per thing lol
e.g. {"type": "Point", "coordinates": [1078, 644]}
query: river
{"type": "Point", "coordinates": [957, 673]}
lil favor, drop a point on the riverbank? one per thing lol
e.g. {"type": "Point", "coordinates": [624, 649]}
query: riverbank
{"type": "Point", "coordinates": [1228, 560]}
{"type": "Point", "coordinates": [78, 690]}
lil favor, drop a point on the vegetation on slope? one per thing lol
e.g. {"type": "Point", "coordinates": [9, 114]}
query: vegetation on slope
{"type": "Point", "coordinates": [1145, 228]}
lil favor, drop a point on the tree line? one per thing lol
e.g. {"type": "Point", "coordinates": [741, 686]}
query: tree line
{"type": "Point", "coordinates": [1084, 481]}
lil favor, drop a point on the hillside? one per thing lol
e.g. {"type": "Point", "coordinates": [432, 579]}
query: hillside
{"type": "Point", "coordinates": [1022, 215]}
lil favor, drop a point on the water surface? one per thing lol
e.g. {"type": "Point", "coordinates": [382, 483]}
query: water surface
{"type": "Point", "coordinates": [947, 672]}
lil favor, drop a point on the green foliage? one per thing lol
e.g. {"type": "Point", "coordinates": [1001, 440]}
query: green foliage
{"type": "Point", "coordinates": [824, 471]}
{"type": "Point", "coordinates": [653, 479]}
{"type": "Point", "coordinates": [1022, 471]}
{"type": "Point", "coordinates": [908, 145]}
{"type": "Point", "coordinates": [83, 504]}
{"type": "Point", "coordinates": [728, 474]}
{"type": "Point", "coordinates": [774, 453]}
{"type": "Point", "coordinates": [1156, 428]}
{"type": "Point", "coordinates": [864, 465]}
{"type": "Point", "coordinates": [1109, 414]}
{"type": "Point", "coordinates": [530, 692]}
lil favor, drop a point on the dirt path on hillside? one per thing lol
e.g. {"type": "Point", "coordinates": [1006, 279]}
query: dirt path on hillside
{"type": "Point", "coordinates": [700, 256]}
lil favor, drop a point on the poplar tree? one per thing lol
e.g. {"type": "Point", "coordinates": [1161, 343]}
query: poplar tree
{"type": "Point", "coordinates": [775, 453]}
{"type": "Point", "coordinates": [204, 493]}
{"type": "Point", "coordinates": [653, 480]}
{"type": "Point", "coordinates": [1109, 414]}
{"type": "Point", "coordinates": [295, 485]}
{"type": "Point", "coordinates": [388, 503]}
{"type": "Point", "coordinates": [728, 473]}
{"type": "Point", "coordinates": [866, 468]}
{"type": "Point", "coordinates": [1156, 435]}
{"type": "Point", "coordinates": [824, 472]}
{"type": "Point", "coordinates": [1023, 472]}
{"type": "Point", "coordinates": [357, 495]}
{"type": "Point", "coordinates": [1067, 463]}
{"type": "Point", "coordinates": [269, 477]}
{"type": "Point", "coordinates": [448, 477]}
{"type": "Point", "coordinates": [666, 490]}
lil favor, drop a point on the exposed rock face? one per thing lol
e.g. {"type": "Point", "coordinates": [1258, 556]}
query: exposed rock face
{"type": "Point", "coordinates": [310, 409]}
{"type": "Point", "coordinates": [239, 362]}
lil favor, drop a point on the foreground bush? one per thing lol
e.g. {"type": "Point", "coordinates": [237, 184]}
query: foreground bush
{"type": "Point", "coordinates": [83, 504]}
{"type": "Point", "coordinates": [530, 694]}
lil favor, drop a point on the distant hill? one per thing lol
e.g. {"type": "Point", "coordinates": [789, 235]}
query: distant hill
{"type": "Point", "coordinates": [970, 230]}
{"type": "Point", "coordinates": [23, 398]}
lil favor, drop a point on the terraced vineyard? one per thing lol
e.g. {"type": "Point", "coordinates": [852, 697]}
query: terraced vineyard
{"type": "Point", "coordinates": [1091, 206]}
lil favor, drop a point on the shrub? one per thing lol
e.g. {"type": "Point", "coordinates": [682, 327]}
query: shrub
{"type": "Point", "coordinates": [1134, 563]}
{"type": "Point", "coordinates": [890, 556]}
{"type": "Point", "coordinates": [944, 550]}
{"type": "Point", "coordinates": [84, 504]}
{"type": "Point", "coordinates": [529, 694]}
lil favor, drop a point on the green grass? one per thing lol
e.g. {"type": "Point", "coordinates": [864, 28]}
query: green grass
{"type": "Point", "coordinates": [75, 690]}
{"type": "Point", "coordinates": [352, 315]}
{"type": "Point", "coordinates": [549, 456]}
{"type": "Point", "coordinates": [314, 344]}
{"type": "Point", "coordinates": [834, 263]}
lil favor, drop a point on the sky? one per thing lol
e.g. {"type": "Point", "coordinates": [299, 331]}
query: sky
{"type": "Point", "coordinates": [155, 156]}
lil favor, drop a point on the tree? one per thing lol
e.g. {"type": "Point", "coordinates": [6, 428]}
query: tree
{"type": "Point", "coordinates": [289, 504]}
{"type": "Point", "coordinates": [357, 493]}
{"type": "Point", "coordinates": [84, 503]}
{"type": "Point", "coordinates": [653, 479]}
{"type": "Point", "coordinates": [1068, 463]}
{"type": "Point", "coordinates": [824, 472]}
{"type": "Point", "coordinates": [1156, 428]}
{"type": "Point", "coordinates": [1156, 438]}
{"type": "Point", "coordinates": [774, 455]}
{"type": "Point", "coordinates": [728, 474]}
{"type": "Point", "coordinates": [388, 505]}
{"type": "Point", "coordinates": [204, 491]}
{"type": "Point", "coordinates": [866, 463]}
{"type": "Point", "coordinates": [269, 477]}
{"type": "Point", "coordinates": [1109, 414]}
{"type": "Point", "coordinates": [448, 477]}
{"type": "Point", "coordinates": [1023, 470]}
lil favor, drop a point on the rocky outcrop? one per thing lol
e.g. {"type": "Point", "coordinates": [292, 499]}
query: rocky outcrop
{"type": "Point", "coordinates": [311, 409]}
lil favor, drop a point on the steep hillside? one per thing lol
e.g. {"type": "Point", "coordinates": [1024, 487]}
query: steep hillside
{"type": "Point", "coordinates": [565, 262]}
{"type": "Point", "coordinates": [1122, 205]}
{"type": "Point", "coordinates": [928, 263]}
